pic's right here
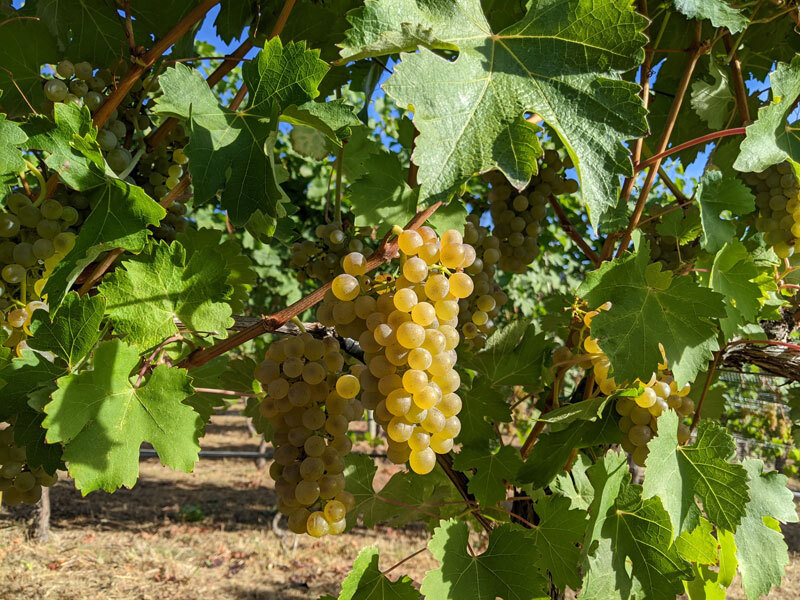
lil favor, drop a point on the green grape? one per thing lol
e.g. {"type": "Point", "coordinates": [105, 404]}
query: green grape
{"type": "Point", "coordinates": [55, 90]}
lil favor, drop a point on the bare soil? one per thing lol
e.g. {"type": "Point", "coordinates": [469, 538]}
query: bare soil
{"type": "Point", "coordinates": [141, 544]}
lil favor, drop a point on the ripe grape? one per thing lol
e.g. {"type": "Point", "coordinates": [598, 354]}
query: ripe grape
{"type": "Point", "coordinates": [777, 192]}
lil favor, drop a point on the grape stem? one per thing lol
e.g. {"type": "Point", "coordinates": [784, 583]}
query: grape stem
{"type": "Point", "coordinates": [201, 390]}
{"type": "Point", "coordinates": [299, 324]}
{"type": "Point", "coordinates": [406, 559]}
{"type": "Point", "coordinates": [40, 178]}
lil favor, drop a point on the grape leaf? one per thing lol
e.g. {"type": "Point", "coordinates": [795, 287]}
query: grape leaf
{"type": "Point", "coordinates": [599, 563]}
{"type": "Point", "coordinates": [28, 432]}
{"type": "Point", "coordinates": [23, 376]}
{"type": "Point", "coordinates": [717, 193]}
{"type": "Point", "coordinates": [494, 574]}
{"type": "Point", "coordinates": [770, 139]}
{"type": "Point", "coordinates": [87, 30]}
{"type": "Point", "coordinates": [699, 545]}
{"type": "Point", "coordinates": [683, 225]}
{"type": "Point", "coordinates": [156, 17]}
{"type": "Point", "coordinates": [335, 119]}
{"type": "Point", "coordinates": [320, 24]}
{"type": "Point", "coordinates": [71, 144]}
{"type": "Point", "coordinates": [404, 499]}
{"type": "Point", "coordinates": [493, 470]}
{"type": "Point", "coordinates": [574, 484]}
{"type": "Point", "coordinates": [677, 474]}
{"type": "Point", "coordinates": [309, 142]}
{"type": "Point", "coordinates": [557, 537]}
{"type": "Point", "coordinates": [719, 12]}
{"type": "Point", "coordinates": [640, 530]}
{"type": "Point", "coordinates": [468, 112]}
{"type": "Point", "coordinates": [552, 449]}
{"type": "Point", "coordinates": [736, 277]}
{"type": "Point", "coordinates": [651, 306]}
{"type": "Point", "coordinates": [27, 45]}
{"type": "Point", "coordinates": [72, 332]}
{"type": "Point", "coordinates": [103, 419]}
{"type": "Point", "coordinates": [11, 136]}
{"type": "Point", "coordinates": [366, 582]}
{"type": "Point", "coordinates": [233, 17]}
{"type": "Point", "coordinates": [712, 101]}
{"type": "Point", "coordinates": [585, 410]}
{"type": "Point", "coordinates": [452, 215]}
{"type": "Point", "coordinates": [120, 214]}
{"type": "Point", "coordinates": [381, 196]}
{"type": "Point", "coordinates": [513, 355]}
{"type": "Point", "coordinates": [483, 406]}
{"type": "Point", "coordinates": [147, 292]}
{"type": "Point", "coordinates": [234, 150]}
{"type": "Point", "coordinates": [241, 274]}
{"type": "Point", "coordinates": [761, 550]}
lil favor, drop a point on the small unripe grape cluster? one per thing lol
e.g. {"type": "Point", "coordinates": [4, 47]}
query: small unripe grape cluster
{"type": "Point", "coordinates": [310, 402]}
{"type": "Point", "coordinates": [778, 203]}
{"type": "Point", "coordinates": [18, 483]}
{"type": "Point", "coordinates": [639, 414]}
{"type": "Point", "coordinates": [667, 249]}
{"type": "Point", "coordinates": [409, 338]}
{"type": "Point", "coordinates": [322, 258]}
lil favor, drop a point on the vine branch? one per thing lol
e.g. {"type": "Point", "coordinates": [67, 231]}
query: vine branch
{"type": "Point", "coordinates": [695, 142]}
{"type": "Point", "coordinates": [738, 79]}
{"type": "Point", "coordinates": [698, 49]}
{"type": "Point", "coordinates": [573, 234]}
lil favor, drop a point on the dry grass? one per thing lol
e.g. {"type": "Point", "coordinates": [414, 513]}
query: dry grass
{"type": "Point", "coordinates": [134, 544]}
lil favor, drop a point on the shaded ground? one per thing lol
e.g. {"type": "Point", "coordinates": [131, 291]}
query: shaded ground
{"type": "Point", "coordinates": [137, 545]}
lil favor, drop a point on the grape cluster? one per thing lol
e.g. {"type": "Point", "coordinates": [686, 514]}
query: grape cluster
{"type": "Point", "coordinates": [639, 414]}
{"type": "Point", "coordinates": [322, 259]}
{"type": "Point", "coordinates": [18, 483]}
{"type": "Point", "coordinates": [408, 335]}
{"type": "Point", "coordinates": [34, 236]}
{"type": "Point", "coordinates": [310, 403]}
{"type": "Point", "coordinates": [778, 200]}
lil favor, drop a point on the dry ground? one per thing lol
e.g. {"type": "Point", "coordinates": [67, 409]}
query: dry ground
{"type": "Point", "coordinates": [135, 545]}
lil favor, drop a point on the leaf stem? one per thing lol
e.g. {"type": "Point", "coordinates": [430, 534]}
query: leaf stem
{"type": "Point", "coordinates": [406, 559]}
{"type": "Point", "coordinates": [698, 49]}
{"type": "Point", "coordinates": [202, 390]}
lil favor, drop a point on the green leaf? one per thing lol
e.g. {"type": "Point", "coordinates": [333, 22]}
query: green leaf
{"type": "Point", "coordinates": [761, 550]}
{"type": "Point", "coordinates": [87, 30]}
{"type": "Point", "coordinates": [71, 144]}
{"type": "Point", "coordinates": [677, 474]}
{"type": "Point", "coordinates": [557, 538]}
{"type": "Point", "coordinates": [241, 274]}
{"type": "Point", "coordinates": [103, 419]}
{"type": "Point", "coordinates": [22, 377]}
{"type": "Point", "coordinates": [513, 355]}
{"type": "Point", "coordinates": [652, 307]}
{"type": "Point", "coordinates": [119, 219]}
{"type": "Point", "coordinates": [27, 45]}
{"type": "Point", "coordinates": [640, 531]}
{"type": "Point", "coordinates": [320, 24]}
{"type": "Point", "coordinates": [736, 277]}
{"type": "Point", "coordinates": [73, 330]}
{"type": "Point", "coordinates": [699, 545]}
{"type": "Point", "coordinates": [366, 582]}
{"type": "Point", "coordinates": [601, 581]}
{"type": "Point", "coordinates": [552, 450]}
{"type": "Point", "coordinates": [585, 410]}
{"type": "Point", "coordinates": [11, 136]}
{"type": "Point", "coordinates": [28, 432]}
{"type": "Point", "coordinates": [715, 194]}
{"type": "Point", "coordinates": [704, 585]}
{"type": "Point", "coordinates": [334, 119]}
{"type": "Point", "coordinates": [450, 216]}
{"type": "Point", "coordinates": [233, 17]}
{"type": "Point", "coordinates": [719, 12]}
{"type": "Point", "coordinates": [712, 101]}
{"type": "Point", "coordinates": [486, 406]}
{"type": "Point", "coordinates": [469, 112]}
{"type": "Point", "coordinates": [382, 196]}
{"type": "Point", "coordinates": [493, 471]}
{"type": "Point", "coordinates": [770, 139]}
{"type": "Point", "coordinates": [494, 574]}
{"type": "Point", "coordinates": [405, 498]}
{"type": "Point", "coordinates": [233, 151]}
{"type": "Point", "coordinates": [574, 484]}
{"type": "Point", "coordinates": [147, 292]}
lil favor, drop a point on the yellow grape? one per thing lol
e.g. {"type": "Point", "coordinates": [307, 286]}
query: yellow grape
{"type": "Point", "coordinates": [399, 429]}
{"type": "Point", "coordinates": [437, 287]}
{"type": "Point", "coordinates": [414, 380]}
{"type": "Point", "coordinates": [415, 269]}
{"type": "Point", "coordinates": [427, 397]}
{"type": "Point", "coordinates": [345, 287]}
{"type": "Point", "coordinates": [419, 440]}
{"type": "Point", "coordinates": [347, 386]}
{"type": "Point", "coordinates": [461, 285]}
{"type": "Point", "coordinates": [591, 346]}
{"type": "Point", "coordinates": [410, 335]}
{"type": "Point", "coordinates": [317, 525]}
{"type": "Point", "coordinates": [405, 300]}
{"type": "Point", "coordinates": [429, 253]}
{"type": "Point", "coordinates": [398, 402]}
{"type": "Point", "coordinates": [354, 264]}
{"type": "Point", "coordinates": [423, 314]}
{"type": "Point", "coordinates": [409, 242]}
{"type": "Point", "coordinates": [422, 462]}
{"type": "Point", "coordinates": [419, 358]}
{"type": "Point", "coordinates": [451, 256]}
{"type": "Point", "coordinates": [647, 398]}
{"type": "Point", "coordinates": [434, 421]}
{"type": "Point", "coordinates": [334, 511]}
{"type": "Point", "coordinates": [450, 405]}
{"type": "Point", "coordinates": [441, 444]}
{"type": "Point", "coordinates": [451, 236]}
{"type": "Point", "coordinates": [446, 309]}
